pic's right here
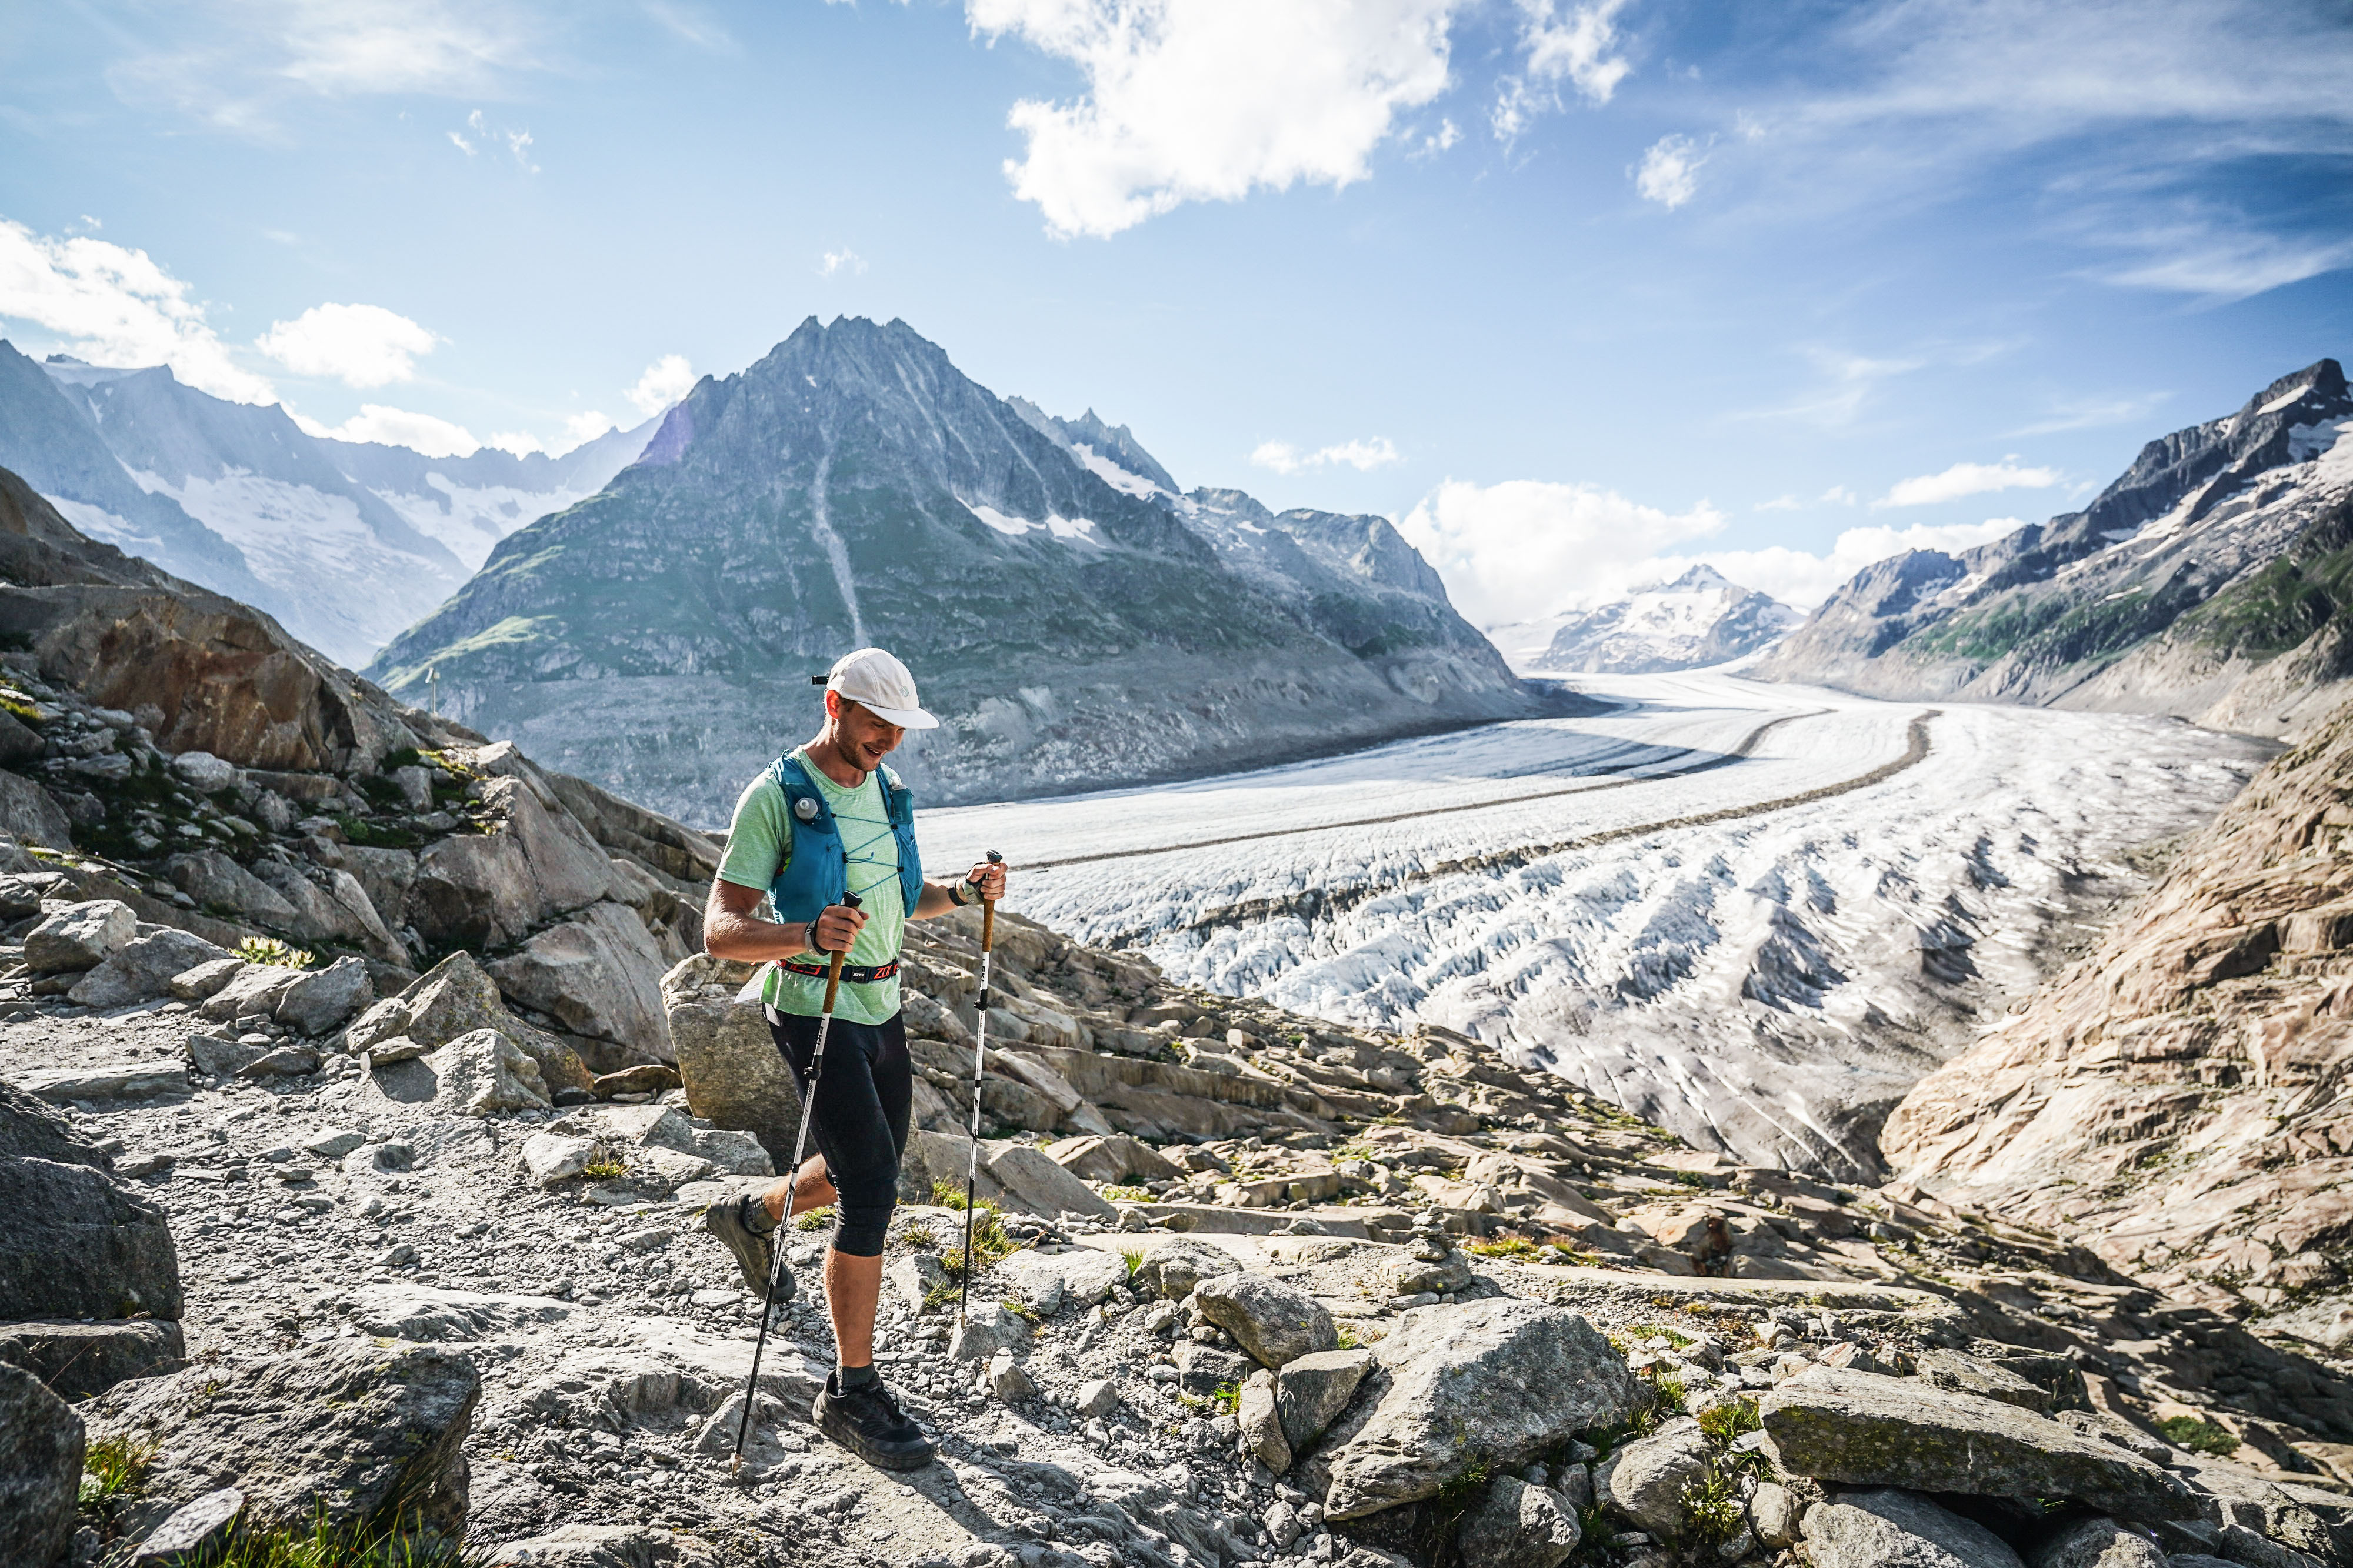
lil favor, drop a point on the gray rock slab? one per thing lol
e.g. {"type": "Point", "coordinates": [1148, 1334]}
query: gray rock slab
{"type": "Point", "coordinates": [41, 1445]}
{"type": "Point", "coordinates": [1276, 1323]}
{"type": "Point", "coordinates": [252, 992]}
{"type": "Point", "coordinates": [80, 1358]}
{"type": "Point", "coordinates": [1202, 1370]}
{"type": "Point", "coordinates": [82, 936]}
{"type": "Point", "coordinates": [143, 968]}
{"type": "Point", "coordinates": [1516, 1525]}
{"type": "Point", "coordinates": [216, 1055]}
{"type": "Point", "coordinates": [1499, 1380]}
{"type": "Point", "coordinates": [77, 1245]}
{"type": "Point", "coordinates": [603, 1546]}
{"type": "Point", "coordinates": [2097, 1543]}
{"type": "Point", "coordinates": [1051, 1281]}
{"type": "Point", "coordinates": [1862, 1429]}
{"type": "Point", "coordinates": [986, 1330]}
{"type": "Point", "coordinates": [1261, 1425]}
{"type": "Point", "coordinates": [217, 882]}
{"type": "Point", "coordinates": [599, 974]}
{"type": "Point", "coordinates": [194, 1529]}
{"type": "Point", "coordinates": [201, 982]}
{"type": "Point", "coordinates": [31, 814]}
{"type": "Point", "coordinates": [1774, 1515]}
{"type": "Point", "coordinates": [1971, 1374]}
{"type": "Point", "coordinates": [1644, 1481]}
{"type": "Point", "coordinates": [424, 1314]}
{"type": "Point", "coordinates": [144, 1079]}
{"type": "Point", "coordinates": [1172, 1266]}
{"type": "Point", "coordinates": [321, 999]}
{"type": "Point", "coordinates": [338, 1430]}
{"type": "Point", "coordinates": [916, 1276]}
{"type": "Point", "coordinates": [1311, 1390]}
{"type": "Point", "coordinates": [1890, 1529]}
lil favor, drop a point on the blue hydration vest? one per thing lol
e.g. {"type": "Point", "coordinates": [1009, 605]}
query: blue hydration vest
{"type": "Point", "coordinates": [817, 874]}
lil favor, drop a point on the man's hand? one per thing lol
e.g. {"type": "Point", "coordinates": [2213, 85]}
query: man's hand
{"type": "Point", "coordinates": [990, 878]}
{"type": "Point", "coordinates": [836, 927]}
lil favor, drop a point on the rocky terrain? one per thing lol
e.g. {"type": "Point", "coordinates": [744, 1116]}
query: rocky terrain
{"type": "Point", "coordinates": [2179, 1097]}
{"type": "Point", "coordinates": [345, 542]}
{"type": "Point", "coordinates": [2208, 581]}
{"type": "Point", "coordinates": [1071, 621]}
{"type": "Point", "coordinates": [1700, 618]}
{"type": "Point", "coordinates": [390, 1247]}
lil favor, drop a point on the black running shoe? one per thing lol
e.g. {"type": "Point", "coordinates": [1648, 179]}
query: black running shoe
{"type": "Point", "coordinates": [869, 1423]}
{"type": "Point", "coordinates": [754, 1251]}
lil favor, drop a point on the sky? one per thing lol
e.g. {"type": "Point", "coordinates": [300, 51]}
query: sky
{"type": "Point", "coordinates": [1576, 291]}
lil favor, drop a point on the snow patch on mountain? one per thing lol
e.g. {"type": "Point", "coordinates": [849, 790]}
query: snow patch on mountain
{"type": "Point", "coordinates": [1699, 619]}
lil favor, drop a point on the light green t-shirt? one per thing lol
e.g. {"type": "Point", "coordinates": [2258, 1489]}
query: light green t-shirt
{"type": "Point", "coordinates": [760, 842]}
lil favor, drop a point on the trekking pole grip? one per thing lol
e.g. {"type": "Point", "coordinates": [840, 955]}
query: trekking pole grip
{"type": "Point", "coordinates": [833, 965]}
{"type": "Point", "coordinates": [988, 910]}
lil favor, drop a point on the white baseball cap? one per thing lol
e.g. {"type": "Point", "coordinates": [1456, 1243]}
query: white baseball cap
{"type": "Point", "coordinates": [879, 684]}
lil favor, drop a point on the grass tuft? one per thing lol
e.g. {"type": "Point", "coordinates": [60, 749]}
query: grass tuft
{"type": "Point", "coordinates": [1719, 1424]}
{"type": "Point", "coordinates": [814, 1219]}
{"type": "Point", "coordinates": [113, 1468]}
{"type": "Point", "coordinates": [1712, 1508]}
{"type": "Point", "coordinates": [1518, 1246]}
{"type": "Point", "coordinates": [355, 1545]}
{"type": "Point", "coordinates": [2199, 1435]}
{"type": "Point", "coordinates": [604, 1168]}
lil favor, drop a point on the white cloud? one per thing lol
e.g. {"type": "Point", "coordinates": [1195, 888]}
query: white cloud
{"type": "Point", "coordinates": [1966, 479]}
{"type": "Point", "coordinates": [1285, 459]}
{"type": "Point", "coordinates": [1525, 548]}
{"type": "Point", "coordinates": [1839, 495]}
{"type": "Point", "coordinates": [116, 307]}
{"type": "Point", "coordinates": [834, 262]}
{"type": "Point", "coordinates": [1778, 503]}
{"type": "Point", "coordinates": [2226, 262]}
{"type": "Point", "coordinates": [1576, 45]}
{"type": "Point", "coordinates": [2092, 413]}
{"type": "Point", "coordinates": [485, 133]}
{"type": "Point", "coordinates": [1804, 579]}
{"type": "Point", "coordinates": [359, 345]}
{"type": "Point", "coordinates": [1669, 173]}
{"type": "Point", "coordinates": [582, 427]}
{"type": "Point", "coordinates": [666, 380]}
{"type": "Point", "coordinates": [398, 428]}
{"type": "Point", "coordinates": [1190, 102]}
{"type": "Point", "coordinates": [521, 443]}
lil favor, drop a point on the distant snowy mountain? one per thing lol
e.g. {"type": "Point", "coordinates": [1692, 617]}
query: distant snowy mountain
{"type": "Point", "coordinates": [1700, 618]}
{"type": "Point", "coordinates": [347, 544]}
{"type": "Point", "coordinates": [2213, 580]}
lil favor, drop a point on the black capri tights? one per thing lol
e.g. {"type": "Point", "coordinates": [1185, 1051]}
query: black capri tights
{"type": "Point", "coordinates": [860, 1121]}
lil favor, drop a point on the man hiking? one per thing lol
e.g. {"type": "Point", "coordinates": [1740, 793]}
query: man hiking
{"type": "Point", "coordinates": [827, 820]}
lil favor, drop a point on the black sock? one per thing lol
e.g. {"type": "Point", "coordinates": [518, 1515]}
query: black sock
{"type": "Point", "coordinates": [753, 1214]}
{"type": "Point", "coordinates": [849, 1378]}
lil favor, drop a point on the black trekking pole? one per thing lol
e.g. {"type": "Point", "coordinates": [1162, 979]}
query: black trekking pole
{"type": "Point", "coordinates": [793, 1177]}
{"type": "Point", "coordinates": [979, 1061]}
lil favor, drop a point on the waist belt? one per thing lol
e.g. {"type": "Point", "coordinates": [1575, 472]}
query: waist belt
{"type": "Point", "coordinates": [855, 974]}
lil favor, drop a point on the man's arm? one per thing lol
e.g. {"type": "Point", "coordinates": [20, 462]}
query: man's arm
{"type": "Point", "coordinates": [937, 898]}
{"type": "Point", "coordinates": [731, 930]}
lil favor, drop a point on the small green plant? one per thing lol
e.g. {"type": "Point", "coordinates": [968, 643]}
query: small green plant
{"type": "Point", "coordinates": [1135, 1255]}
{"type": "Point", "coordinates": [1345, 1335]}
{"type": "Point", "coordinates": [1467, 1487]}
{"type": "Point", "coordinates": [918, 1235]}
{"type": "Point", "coordinates": [1128, 1195]}
{"type": "Point", "coordinates": [941, 1294]}
{"type": "Point", "coordinates": [1712, 1509]}
{"type": "Point", "coordinates": [989, 1243]}
{"type": "Point", "coordinates": [269, 950]}
{"type": "Point", "coordinates": [1021, 1310]}
{"type": "Point", "coordinates": [113, 1468]}
{"type": "Point", "coordinates": [1227, 1398]}
{"type": "Point", "coordinates": [1719, 1424]}
{"type": "Point", "coordinates": [1516, 1246]}
{"type": "Point", "coordinates": [1675, 1338]}
{"type": "Point", "coordinates": [22, 711]}
{"type": "Point", "coordinates": [2199, 1435]}
{"type": "Point", "coordinates": [354, 1545]}
{"type": "Point", "coordinates": [814, 1219]}
{"type": "Point", "coordinates": [1684, 1178]}
{"type": "Point", "coordinates": [1574, 1257]}
{"type": "Point", "coordinates": [948, 1195]}
{"type": "Point", "coordinates": [604, 1168]}
{"type": "Point", "coordinates": [375, 835]}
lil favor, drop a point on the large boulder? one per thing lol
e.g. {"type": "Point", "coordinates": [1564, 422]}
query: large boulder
{"type": "Point", "coordinates": [348, 1430]}
{"type": "Point", "coordinates": [1276, 1323]}
{"type": "Point", "coordinates": [82, 936]}
{"type": "Point", "coordinates": [1887, 1529]}
{"type": "Point", "coordinates": [31, 814]}
{"type": "Point", "coordinates": [76, 1244]}
{"type": "Point", "coordinates": [455, 997]}
{"type": "Point", "coordinates": [1862, 1429]}
{"type": "Point", "coordinates": [1173, 1265]}
{"type": "Point", "coordinates": [1311, 1390]}
{"type": "Point", "coordinates": [1016, 1177]}
{"type": "Point", "coordinates": [493, 889]}
{"type": "Point", "coordinates": [320, 1000]}
{"type": "Point", "coordinates": [486, 1074]}
{"type": "Point", "coordinates": [1644, 1481]}
{"type": "Point", "coordinates": [1496, 1381]}
{"type": "Point", "coordinates": [599, 974]}
{"type": "Point", "coordinates": [603, 1546]}
{"type": "Point", "coordinates": [78, 1360]}
{"type": "Point", "coordinates": [1115, 1159]}
{"type": "Point", "coordinates": [1972, 1374]}
{"type": "Point", "coordinates": [143, 968]}
{"type": "Point", "coordinates": [2097, 1543]}
{"type": "Point", "coordinates": [253, 991]}
{"type": "Point", "coordinates": [40, 1470]}
{"type": "Point", "coordinates": [1516, 1525]}
{"type": "Point", "coordinates": [733, 1075]}
{"type": "Point", "coordinates": [332, 906]}
{"type": "Point", "coordinates": [223, 886]}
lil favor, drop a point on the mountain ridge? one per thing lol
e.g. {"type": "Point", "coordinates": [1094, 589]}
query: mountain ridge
{"type": "Point", "coordinates": [1699, 619]}
{"type": "Point", "coordinates": [853, 486]}
{"type": "Point", "coordinates": [2155, 598]}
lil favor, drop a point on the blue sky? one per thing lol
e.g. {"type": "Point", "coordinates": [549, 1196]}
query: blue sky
{"type": "Point", "coordinates": [1573, 289]}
